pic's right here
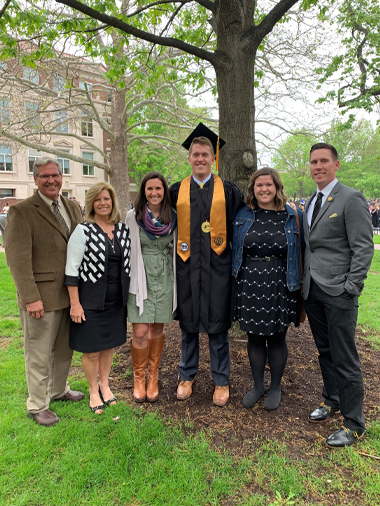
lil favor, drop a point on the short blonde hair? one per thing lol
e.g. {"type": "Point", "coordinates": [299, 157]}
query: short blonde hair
{"type": "Point", "coordinates": [91, 195]}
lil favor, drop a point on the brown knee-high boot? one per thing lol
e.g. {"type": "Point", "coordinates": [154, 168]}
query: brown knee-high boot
{"type": "Point", "coordinates": [154, 359]}
{"type": "Point", "coordinates": [139, 359]}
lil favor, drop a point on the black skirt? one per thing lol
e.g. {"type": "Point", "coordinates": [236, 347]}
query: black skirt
{"type": "Point", "coordinates": [104, 329]}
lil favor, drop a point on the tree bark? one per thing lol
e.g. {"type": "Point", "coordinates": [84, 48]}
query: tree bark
{"type": "Point", "coordinates": [119, 173]}
{"type": "Point", "coordinates": [235, 66]}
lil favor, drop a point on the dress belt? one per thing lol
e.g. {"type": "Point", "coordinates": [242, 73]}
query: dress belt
{"type": "Point", "coordinates": [261, 259]}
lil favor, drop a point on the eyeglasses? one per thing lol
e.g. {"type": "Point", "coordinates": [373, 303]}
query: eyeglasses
{"type": "Point", "coordinates": [47, 176]}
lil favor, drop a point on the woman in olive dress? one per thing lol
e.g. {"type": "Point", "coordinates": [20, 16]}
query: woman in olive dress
{"type": "Point", "coordinates": [152, 299]}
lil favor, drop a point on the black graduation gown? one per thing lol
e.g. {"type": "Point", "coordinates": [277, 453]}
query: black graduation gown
{"type": "Point", "coordinates": [204, 280]}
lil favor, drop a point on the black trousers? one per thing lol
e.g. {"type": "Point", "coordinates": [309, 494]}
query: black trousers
{"type": "Point", "coordinates": [333, 324]}
{"type": "Point", "coordinates": [219, 357]}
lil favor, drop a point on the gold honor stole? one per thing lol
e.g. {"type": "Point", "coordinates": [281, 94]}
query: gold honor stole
{"type": "Point", "coordinates": [218, 225]}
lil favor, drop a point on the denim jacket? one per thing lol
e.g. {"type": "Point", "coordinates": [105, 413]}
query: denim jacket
{"type": "Point", "coordinates": [242, 223]}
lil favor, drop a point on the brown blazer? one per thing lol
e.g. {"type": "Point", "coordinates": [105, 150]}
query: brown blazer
{"type": "Point", "coordinates": [35, 249]}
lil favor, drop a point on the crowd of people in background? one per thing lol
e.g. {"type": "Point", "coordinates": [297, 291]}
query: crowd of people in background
{"type": "Point", "coordinates": [373, 207]}
{"type": "Point", "coordinates": [199, 253]}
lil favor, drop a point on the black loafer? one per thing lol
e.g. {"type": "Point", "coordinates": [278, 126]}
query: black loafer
{"type": "Point", "coordinates": [344, 437]}
{"type": "Point", "coordinates": [322, 413]}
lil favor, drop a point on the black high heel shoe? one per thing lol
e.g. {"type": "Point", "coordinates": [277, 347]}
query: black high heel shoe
{"type": "Point", "coordinates": [113, 399]}
{"type": "Point", "coordinates": [96, 408]}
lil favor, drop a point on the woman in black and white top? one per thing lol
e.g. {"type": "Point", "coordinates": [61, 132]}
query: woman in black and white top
{"type": "Point", "coordinates": [97, 277]}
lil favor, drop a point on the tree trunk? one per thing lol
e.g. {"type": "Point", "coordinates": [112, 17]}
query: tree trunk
{"type": "Point", "coordinates": [235, 74]}
{"type": "Point", "coordinates": [119, 174]}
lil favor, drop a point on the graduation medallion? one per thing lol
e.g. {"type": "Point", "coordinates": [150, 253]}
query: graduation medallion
{"type": "Point", "coordinates": [206, 227]}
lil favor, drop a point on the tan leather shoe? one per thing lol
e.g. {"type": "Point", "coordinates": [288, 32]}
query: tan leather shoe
{"type": "Point", "coordinates": [44, 418]}
{"type": "Point", "coordinates": [185, 389]}
{"type": "Point", "coordinates": [221, 395]}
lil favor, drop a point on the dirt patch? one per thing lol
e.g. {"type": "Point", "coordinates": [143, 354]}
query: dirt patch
{"type": "Point", "coordinates": [233, 427]}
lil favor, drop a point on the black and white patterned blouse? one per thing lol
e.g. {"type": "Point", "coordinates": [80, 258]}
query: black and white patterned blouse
{"type": "Point", "coordinates": [87, 261]}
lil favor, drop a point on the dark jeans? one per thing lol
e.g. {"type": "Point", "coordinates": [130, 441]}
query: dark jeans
{"type": "Point", "coordinates": [333, 324]}
{"type": "Point", "coordinates": [219, 357]}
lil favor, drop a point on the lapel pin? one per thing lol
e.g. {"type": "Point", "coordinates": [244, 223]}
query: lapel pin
{"type": "Point", "coordinates": [329, 199]}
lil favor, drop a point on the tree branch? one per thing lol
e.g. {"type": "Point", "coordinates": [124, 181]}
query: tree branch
{"type": "Point", "coordinates": [271, 19]}
{"type": "Point", "coordinates": [4, 8]}
{"type": "Point", "coordinates": [141, 34]}
{"type": "Point", "coordinates": [48, 149]}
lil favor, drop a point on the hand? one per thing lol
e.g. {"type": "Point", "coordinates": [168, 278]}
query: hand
{"type": "Point", "coordinates": [77, 313]}
{"type": "Point", "coordinates": [35, 309]}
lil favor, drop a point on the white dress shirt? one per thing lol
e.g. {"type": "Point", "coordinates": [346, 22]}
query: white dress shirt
{"type": "Point", "coordinates": [326, 192]}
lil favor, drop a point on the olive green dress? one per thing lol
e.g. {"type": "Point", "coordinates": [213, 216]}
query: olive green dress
{"type": "Point", "coordinates": [158, 263]}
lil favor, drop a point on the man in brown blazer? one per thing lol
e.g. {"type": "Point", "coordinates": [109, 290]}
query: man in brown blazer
{"type": "Point", "coordinates": [37, 231]}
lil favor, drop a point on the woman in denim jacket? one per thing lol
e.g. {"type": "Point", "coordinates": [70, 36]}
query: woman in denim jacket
{"type": "Point", "coordinates": [266, 265]}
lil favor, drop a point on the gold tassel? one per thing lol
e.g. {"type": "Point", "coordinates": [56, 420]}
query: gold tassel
{"type": "Point", "coordinates": [217, 155]}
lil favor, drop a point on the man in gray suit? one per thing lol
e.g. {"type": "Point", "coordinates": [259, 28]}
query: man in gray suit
{"type": "Point", "coordinates": [339, 250]}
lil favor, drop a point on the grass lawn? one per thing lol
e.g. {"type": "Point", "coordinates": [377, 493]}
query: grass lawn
{"type": "Point", "coordinates": [376, 239]}
{"type": "Point", "coordinates": [144, 460]}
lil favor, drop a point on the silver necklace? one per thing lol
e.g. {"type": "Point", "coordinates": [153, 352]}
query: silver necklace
{"type": "Point", "coordinates": [112, 243]}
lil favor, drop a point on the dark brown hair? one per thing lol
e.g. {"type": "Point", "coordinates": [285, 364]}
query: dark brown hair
{"type": "Point", "coordinates": [166, 213]}
{"type": "Point", "coordinates": [203, 141]}
{"type": "Point", "coordinates": [325, 145]}
{"type": "Point", "coordinates": [280, 198]}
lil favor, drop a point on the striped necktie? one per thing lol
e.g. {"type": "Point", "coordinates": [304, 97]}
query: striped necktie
{"type": "Point", "coordinates": [61, 219]}
{"type": "Point", "coordinates": [317, 208]}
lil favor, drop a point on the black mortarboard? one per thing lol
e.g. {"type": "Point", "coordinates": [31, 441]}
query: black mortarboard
{"type": "Point", "coordinates": [202, 131]}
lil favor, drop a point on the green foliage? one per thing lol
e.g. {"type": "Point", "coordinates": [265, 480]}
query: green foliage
{"type": "Point", "coordinates": [359, 154]}
{"type": "Point", "coordinates": [292, 161]}
{"type": "Point", "coordinates": [358, 147]}
{"type": "Point", "coordinates": [357, 69]}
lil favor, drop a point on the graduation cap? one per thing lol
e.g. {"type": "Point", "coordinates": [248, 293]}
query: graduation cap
{"type": "Point", "coordinates": [202, 131]}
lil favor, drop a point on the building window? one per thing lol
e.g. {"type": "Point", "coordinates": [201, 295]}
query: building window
{"type": "Point", "coordinates": [64, 163]}
{"type": "Point", "coordinates": [4, 111]}
{"type": "Point", "coordinates": [86, 127]}
{"type": "Point", "coordinates": [59, 83]}
{"type": "Point", "coordinates": [31, 113]}
{"type": "Point", "coordinates": [88, 170]}
{"type": "Point", "coordinates": [6, 192]}
{"type": "Point", "coordinates": [61, 122]}
{"type": "Point", "coordinates": [31, 75]}
{"type": "Point", "coordinates": [33, 155]}
{"type": "Point", "coordinates": [6, 159]}
{"type": "Point", "coordinates": [85, 87]}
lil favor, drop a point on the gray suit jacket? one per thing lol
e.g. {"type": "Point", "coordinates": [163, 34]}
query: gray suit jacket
{"type": "Point", "coordinates": [339, 246]}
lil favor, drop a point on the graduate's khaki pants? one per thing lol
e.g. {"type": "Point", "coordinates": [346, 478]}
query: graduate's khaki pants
{"type": "Point", "coordinates": [47, 357]}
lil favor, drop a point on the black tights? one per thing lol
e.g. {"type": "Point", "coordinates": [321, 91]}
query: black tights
{"type": "Point", "coordinates": [259, 348]}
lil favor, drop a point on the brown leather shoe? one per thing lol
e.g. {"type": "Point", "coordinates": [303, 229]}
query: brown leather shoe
{"type": "Point", "coordinates": [221, 395]}
{"type": "Point", "coordinates": [154, 358]}
{"type": "Point", "coordinates": [44, 418]}
{"type": "Point", "coordinates": [185, 389]}
{"type": "Point", "coordinates": [139, 359]}
{"type": "Point", "coordinates": [72, 395]}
